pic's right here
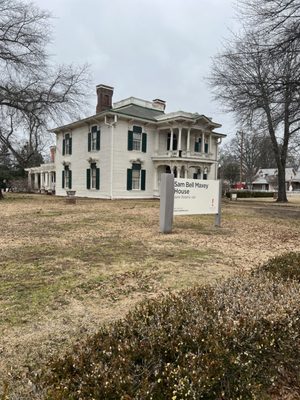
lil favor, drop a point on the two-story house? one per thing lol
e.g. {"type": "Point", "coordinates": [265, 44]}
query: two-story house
{"type": "Point", "coordinates": [122, 150]}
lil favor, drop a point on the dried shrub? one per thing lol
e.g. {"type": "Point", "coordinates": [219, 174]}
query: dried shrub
{"type": "Point", "coordinates": [286, 266]}
{"type": "Point", "coordinates": [235, 340]}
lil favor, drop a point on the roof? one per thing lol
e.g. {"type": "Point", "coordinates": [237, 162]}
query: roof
{"type": "Point", "coordinates": [142, 110]}
{"type": "Point", "coordinates": [264, 173]}
{"type": "Point", "coordinates": [138, 112]}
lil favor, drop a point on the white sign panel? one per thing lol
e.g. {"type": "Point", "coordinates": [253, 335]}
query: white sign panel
{"type": "Point", "coordinates": [195, 196]}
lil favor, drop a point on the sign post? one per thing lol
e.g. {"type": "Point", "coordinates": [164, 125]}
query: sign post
{"type": "Point", "coordinates": [180, 196]}
{"type": "Point", "coordinates": [166, 203]}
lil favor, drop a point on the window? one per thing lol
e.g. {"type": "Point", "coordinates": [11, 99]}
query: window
{"type": "Point", "coordinates": [197, 174]}
{"type": "Point", "coordinates": [136, 178]}
{"type": "Point", "coordinates": [67, 178]}
{"type": "Point", "coordinates": [94, 139]}
{"type": "Point", "coordinates": [137, 139]}
{"type": "Point", "coordinates": [174, 141]}
{"type": "Point", "coordinates": [198, 145]}
{"type": "Point", "coordinates": [206, 147]}
{"type": "Point", "coordinates": [67, 144]}
{"type": "Point", "coordinates": [93, 177]}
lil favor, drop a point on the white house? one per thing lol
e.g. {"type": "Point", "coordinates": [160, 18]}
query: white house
{"type": "Point", "coordinates": [266, 179]}
{"type": "Point", "coordinates": [122, 150]}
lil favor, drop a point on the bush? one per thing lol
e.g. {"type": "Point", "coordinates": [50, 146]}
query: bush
{"type": "Point", "coordinates": [286, 266]}
{"type": "Point", "coordinates": [235, 340]}
{"type": "Point", "coordinates": [243, 194]}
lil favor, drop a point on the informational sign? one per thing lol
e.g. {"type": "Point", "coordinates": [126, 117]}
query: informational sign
{"type": "Point", "coordinates": [195, 196]}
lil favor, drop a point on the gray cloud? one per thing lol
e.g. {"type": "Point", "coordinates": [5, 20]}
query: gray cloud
{"type": "Point", "coordinates": [144, 48]}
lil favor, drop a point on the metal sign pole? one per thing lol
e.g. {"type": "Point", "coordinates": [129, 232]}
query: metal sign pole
{"type": "Point", "coordinates": [218, 216]}
{"type": "Point", "coordinates": [166, 203]}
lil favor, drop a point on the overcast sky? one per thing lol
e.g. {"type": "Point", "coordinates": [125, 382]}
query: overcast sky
{"type": "Point", "coordinates": [146, 48]}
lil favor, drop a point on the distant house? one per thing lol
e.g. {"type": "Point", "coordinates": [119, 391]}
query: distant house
{"type": "Point", "coordinates": [267, 179]}
{"type": "Point", "coordinates": [122, 150]}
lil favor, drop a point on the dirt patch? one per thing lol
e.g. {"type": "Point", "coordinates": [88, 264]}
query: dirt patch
{"type": "Point", "coordinates": [66, 269]}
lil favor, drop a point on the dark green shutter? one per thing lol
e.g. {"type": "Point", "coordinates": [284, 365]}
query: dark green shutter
{"type": "Point", "coordinates": [70, 179]}
{"type": "Point", "coordinates": [137, 167]}
{"type": "Point", "coordinates": [196, 146]}
{"type": "Point", "coordinates": [97, 178]}
{"type": "Point", "coordinates": [63, 179]}
{"type": "Point", "coordinates": [144, 142]}
{"type": "Point", "coordinates": [129, 179]}
{"type": "Point", "coordinates": [64, 147]}
{"type": "Point", "coordinates": [88, 178]}
{"type": "Point", "coordinates": [70, 145]}
{"type": "Point", "coordinates": [89, 141]}
{"type": "Point", "coordinates": [98, 141]}
{"type": "Point", "coordinates": [206, 147]}
{"type": "Point", "coordinates": [137, 129]}
{"type": "Point", "coordinates": [130, 140]}
{"type": "Point", "coordinates": [143, 179]}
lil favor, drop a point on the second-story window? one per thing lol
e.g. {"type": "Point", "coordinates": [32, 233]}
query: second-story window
{"type": "Point", "coordinates": [174, 147]}
{"type": "Point", "coordinates": [137, 139]}
{"type": "Point", "coordinates": [94, 139]}
{"type": "Point", "coordinates": [67, 144]}
{"type": "Point", "coordinates": [206, 146]}
{"type": "Point", "coordinates": [198, 145]}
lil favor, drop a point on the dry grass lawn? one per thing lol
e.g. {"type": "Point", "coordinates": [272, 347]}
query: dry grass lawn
{"type": "Point", "coordinates": [66, 269]}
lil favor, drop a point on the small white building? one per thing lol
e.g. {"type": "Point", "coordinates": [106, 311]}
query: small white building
{"type": "Point", "coordinates": [266, 179]}
{"type": "Point", "coordinates": [122, 150]}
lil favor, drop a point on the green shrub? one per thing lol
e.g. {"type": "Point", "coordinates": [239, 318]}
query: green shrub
{"type": "Point", "coordinates": [243, 194]}
{"type": "Point", "coordinates": [286, 266]}
{"type": "Point", "coordinates": [235, 340]}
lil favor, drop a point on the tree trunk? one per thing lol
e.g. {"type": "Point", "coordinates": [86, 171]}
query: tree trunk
{"type": "Point", "coordinates": [1, 195]}
{"type": "Point", "coordinates": [281, 186]}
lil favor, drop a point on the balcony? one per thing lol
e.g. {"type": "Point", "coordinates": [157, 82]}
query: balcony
{"type": "Point", "coordinates": [185, 155]}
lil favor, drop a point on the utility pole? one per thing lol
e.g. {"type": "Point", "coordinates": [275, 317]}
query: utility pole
{"type": "Point", "coordinates": [240, 134]}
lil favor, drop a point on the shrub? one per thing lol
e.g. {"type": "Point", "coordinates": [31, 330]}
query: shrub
{"type": "Point", "coordinates": [234, 340]}
{"type": "Point", "coordinates": [286, 266]}
{"type": "Point", "coordinates": [243, 194]}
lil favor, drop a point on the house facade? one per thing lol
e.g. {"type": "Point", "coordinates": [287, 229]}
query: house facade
{"type": "Point", "coordinates": [122, 150]}
{"type": "Point", "coordinates": [266, 179]}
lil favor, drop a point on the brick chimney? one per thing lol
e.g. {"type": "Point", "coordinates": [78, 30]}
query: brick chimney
{"type": "Point", "coordinates": [159, 104]}
{"type": "Point", "coordinates": [104, 97]}
{"type": "Point", "coordinates": [52, 153]}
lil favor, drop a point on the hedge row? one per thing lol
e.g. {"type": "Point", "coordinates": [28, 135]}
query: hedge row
{"type": "Point", "coordinates": [242, 194]}
{"type": "Point", "coordinates": [235, 340]}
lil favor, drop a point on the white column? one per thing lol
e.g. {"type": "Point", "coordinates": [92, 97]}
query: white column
{"type": "Point", "coordinates": [36, 180]}
{"type": "Point", "coordinates": [156, 142]}
{"type": "Point", "coordinates": [155, 183]}
{"type": "Point", "coordinates": [202, 142]}
{"type": "Point", "coordinates": [171, 140]}
{"type": "Point", "coordinates": [29, 181]}
{"type": "Point", "coordinates": [42, 180]}
{"type": "Point", "coordinates": [179, 138]}
{"type": "Point", "coordinates": [209, 144]}
{"type": "Point", "coordinates": [185, 172]}
{"type": "Point", "coordinates": [188, 140]}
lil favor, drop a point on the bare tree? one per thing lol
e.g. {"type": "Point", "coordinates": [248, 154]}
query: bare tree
{"type": "Point", "coordinates": [279, 20]}
{"type": "Point", "coordinates": [245, 153]}
{"type": "Point", "coordinates": [33, 92]}
{"type": "Point", "coordinates": [262, 89]}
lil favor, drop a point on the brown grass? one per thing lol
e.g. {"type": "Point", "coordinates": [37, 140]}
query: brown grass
{"type": "Point", "coordinates": [66, 269]}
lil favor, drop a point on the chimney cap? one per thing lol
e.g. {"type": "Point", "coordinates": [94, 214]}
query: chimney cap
{"type": "Point", "coordinates": [102, 86]}
{"type": "Point", "coordinates": [159, 101]}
